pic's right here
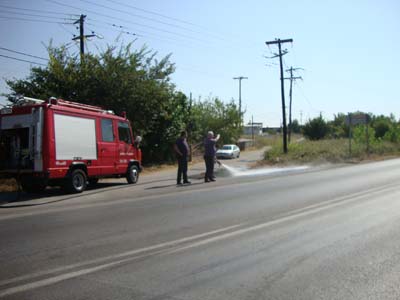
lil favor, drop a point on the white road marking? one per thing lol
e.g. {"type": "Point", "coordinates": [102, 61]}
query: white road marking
{"type": "Point", "coordinates": [117, 256]}
{"type": "Point", "coordinates": [62, 277]}
{"type": "Point", "coordinates": [312, 209]}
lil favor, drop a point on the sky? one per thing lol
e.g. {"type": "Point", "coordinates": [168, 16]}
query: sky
{"type": "Point", "coordinates": [347, 51]}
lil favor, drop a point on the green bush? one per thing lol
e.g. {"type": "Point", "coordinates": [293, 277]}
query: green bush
{"type": "Point", "coordinates": [316, 129]}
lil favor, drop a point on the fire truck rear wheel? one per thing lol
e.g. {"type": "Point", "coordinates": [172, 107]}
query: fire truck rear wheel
{"type": "Point", "coordinates": [76, 183]}
{"type": "Point", "coordinates": [33, 186]}
{"type": "Point", "coordinates": [132, 175]}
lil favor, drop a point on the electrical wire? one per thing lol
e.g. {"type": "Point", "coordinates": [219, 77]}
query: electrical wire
{"type": "Point", "coordinates": [65, 29]}
{"type": "Point", "coordinates": [36, 10]}
{"type": "Point", "coordinates": [32, 20]}
{"type": "Point", "coordinates": [31, 15]}
{"type": "Point", "coordinates": [207, 31]}
{"type": "Point", "coordinates": [23, 60]}
{"type": "Point", "coordinates": [138, 16]}
{"type": "Point", "coordinates": [129, 22]}
{"type": "Point", "coordinates": [22, 53]}
{"type": "Point", "coordinates": [154, 13]}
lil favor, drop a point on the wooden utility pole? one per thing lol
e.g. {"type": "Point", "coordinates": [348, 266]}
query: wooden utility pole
{"type": "Point", "coordinates": [252, 129]}
{"type": "Point", "coordinates": [280, 42]}
{"type": "Point", "coordinates": [240, 78]}
{"type": "Point", "coordinates": [82, 35]}
{"type": "Point", "coordinates": [291, 78]}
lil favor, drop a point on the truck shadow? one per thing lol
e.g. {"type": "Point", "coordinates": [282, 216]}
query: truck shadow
{"type": "Point", "coordinates": [17, 199]}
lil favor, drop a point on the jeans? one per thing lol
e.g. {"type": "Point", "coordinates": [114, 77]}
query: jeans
{"type": "Point", "coordinates": [209, 160]}
{"type": "Point", "coordinates": [182, 169]}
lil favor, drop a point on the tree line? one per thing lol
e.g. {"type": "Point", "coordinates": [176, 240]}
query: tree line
{"type": "Point", "coordinates": [137, 82]}
{"type": "Point", "coordinates": [380, 129]}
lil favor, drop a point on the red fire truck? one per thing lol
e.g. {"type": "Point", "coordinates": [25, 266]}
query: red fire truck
{"type": "Point", "coordinates": [64, 143]}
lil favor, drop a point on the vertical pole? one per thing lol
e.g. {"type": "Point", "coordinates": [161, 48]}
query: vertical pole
{"type": "Point", "coordinates": [240, 96]}
{"type": "Point", "coordinates": [240, 78]}
{"type": "Point", "coordinates": [283, 100]}
{"type": "Point", "coordinates": [82, 35]}
{"type": "Point", "coordinates": [367, 133]}
{"type": "Point", "coordinates": [290, 104]}
{"type": "Point", "coordinates": [350, 121]}
{"type": "Point", "coordinates": [252, 130]}
{"type": "Point", "coordinates": [189, 130]}
{"type": "Point", "coordinates": [279, 42]}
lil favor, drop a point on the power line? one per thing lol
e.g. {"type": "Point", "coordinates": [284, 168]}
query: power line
{"type": "Point", "coordinates": [114, 27]}
{"type": "Point", "coordinates": [154, 13]}
{"type": "Point", "coordinates": [66, 30]}
{"type": "Point", "coordinates": [36, 10]}
{"type": "Point", "coordinates": [29, 15]}
{"type": "Point", "coordinates": [23, 60]}
{"type": "Point", "coordinates": [138, 16]}
{"type": "Point", "coordinates": [33, 20]}
{"type": "Point", "coordinates": [30, 55]}
{"type": "Point", "coordinates": [204, 30]}
{"type": "Point", "coordinates": [129, 22]}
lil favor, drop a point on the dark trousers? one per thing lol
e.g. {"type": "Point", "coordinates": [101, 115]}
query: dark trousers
{"type": "Point", "coordinates": [182, 169]}
{"type": "Point", "coordinates": [209, 160]}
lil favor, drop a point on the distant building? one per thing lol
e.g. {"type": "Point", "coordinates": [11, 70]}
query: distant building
{"type": "Point", "coordinates": [272, 130]}
{"type": "Point", "coordinates": [253, 128]}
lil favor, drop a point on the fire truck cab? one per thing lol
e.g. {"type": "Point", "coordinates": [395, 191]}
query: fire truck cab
{"type": "Point", "coordinates": [64, 143]}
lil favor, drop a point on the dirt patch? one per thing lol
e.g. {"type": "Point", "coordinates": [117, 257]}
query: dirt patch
{"type": "Point", "coordinates": [8, 185]}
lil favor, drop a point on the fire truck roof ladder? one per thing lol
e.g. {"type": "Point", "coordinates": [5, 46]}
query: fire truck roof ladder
{"type": "Point", "coordinates": [27, 101]}
{"type": "Point", "coordinates": [82, 106]}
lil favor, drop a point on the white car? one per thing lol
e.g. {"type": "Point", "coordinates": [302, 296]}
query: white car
{"type": "Point", "coordinates": [228, 151]}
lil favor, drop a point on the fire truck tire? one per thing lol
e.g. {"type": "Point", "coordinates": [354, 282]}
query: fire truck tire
{"type": "Point", "coordinates": [132, 176]}
{"type": "Point", "coordinates": [76, 183]}
{"type": "Point", "coordinates": [33, 186]}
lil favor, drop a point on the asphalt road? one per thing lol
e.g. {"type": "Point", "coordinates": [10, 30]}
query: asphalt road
{"type": "Point", "coordinates": [318, 233]}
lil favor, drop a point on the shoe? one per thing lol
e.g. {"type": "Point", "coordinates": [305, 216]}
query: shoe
{"type": "Point", "coordinates": [206, 180]}
{"type": "Point", "coordinates": [187, 182]}
{"type": "Point", "coordinates": [212, 179]}
{"type": "Point", "coordinates": [179, 183]}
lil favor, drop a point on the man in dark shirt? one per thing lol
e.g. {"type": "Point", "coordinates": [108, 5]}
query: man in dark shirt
{"type": "Point", "coordinates": [181, 148]}
{"type": "Point", "coordinates": [209, 155]}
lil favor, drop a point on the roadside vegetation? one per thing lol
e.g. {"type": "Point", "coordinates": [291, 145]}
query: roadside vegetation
{"type": "Point", "coordinates": [137, 81]}
{"type": "Point", "coordinates": [328, 142]}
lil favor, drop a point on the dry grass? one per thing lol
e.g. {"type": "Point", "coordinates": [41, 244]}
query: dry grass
{"type": "Point", "coordinates": [8, 185]}
{"type": "Point", "coordinates": [331, 151]}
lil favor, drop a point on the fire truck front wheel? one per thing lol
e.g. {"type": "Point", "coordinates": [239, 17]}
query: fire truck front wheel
{"type": "Point", "coordinates": [132, 176]}
{"type": "Point", "coordinates": [76, 182]}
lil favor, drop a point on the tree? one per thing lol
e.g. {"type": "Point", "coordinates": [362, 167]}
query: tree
{"type": "Point", "coordinates": [136, 82]}
{"type": "Point", "coordinates": [316, 129]}
{"type": "Point", "coordinates": [295, 126]}
{"type": "Point", "coordinates": [338, 127]}
{"type": "Point", "coordinates": [382, 125]}
{"type": "Point", "coordinates": [121, 80]}
{"type": "Point", "coordinates": [221, 118]}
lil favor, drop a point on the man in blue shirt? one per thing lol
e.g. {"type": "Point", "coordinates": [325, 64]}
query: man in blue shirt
{"type": "Point", "coordinates": [181, 148]}
{"type": "Point", "coordinates": [209, 155]}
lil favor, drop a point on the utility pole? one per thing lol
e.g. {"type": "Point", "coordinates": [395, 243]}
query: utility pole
{"type": "Point", "coordinates": [82, 35]}
{"type": "Point", "coordinates": [189, 127]}
{"type": "Point", "coordinates": [240, 78]}
{"type": "Point", "coordinates": [280, 42]}
{"type": "Point", "coordinates": [291, 78]}
{"type": "Point", "coordinates": [301, 118]}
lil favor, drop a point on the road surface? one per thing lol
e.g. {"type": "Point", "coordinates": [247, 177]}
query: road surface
{"type": "Point", "coordinates": [318, 233]}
